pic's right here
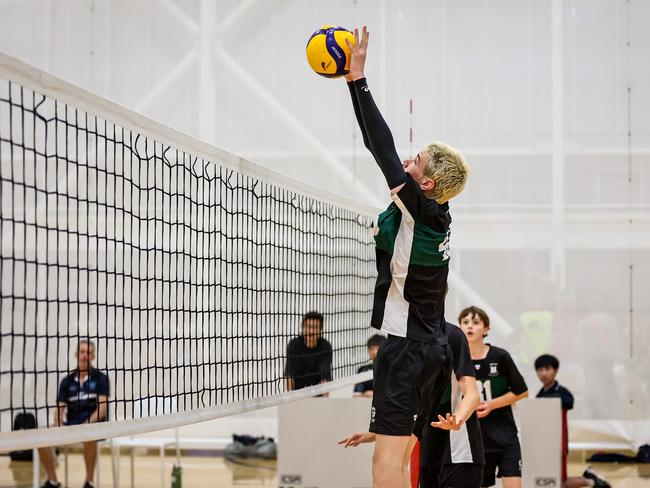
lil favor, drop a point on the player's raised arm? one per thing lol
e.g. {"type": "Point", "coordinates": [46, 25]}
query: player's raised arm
{"type": "Point", "coordinates": [376, 134]}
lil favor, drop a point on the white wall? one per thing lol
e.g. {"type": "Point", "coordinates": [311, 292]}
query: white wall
{"type": "Point", "coordinates": [546, 99]}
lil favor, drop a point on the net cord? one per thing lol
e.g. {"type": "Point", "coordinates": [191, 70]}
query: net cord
{"type": "Point", "coordinates": [57, 436]}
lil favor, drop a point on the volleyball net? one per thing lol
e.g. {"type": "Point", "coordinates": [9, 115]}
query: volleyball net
{"type": "Point", "coordinates": [188, 269]}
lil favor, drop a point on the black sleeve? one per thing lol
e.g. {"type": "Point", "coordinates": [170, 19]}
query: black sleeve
{"type": "Point", "coordinates": [290, 366]}
{"type": "Point", "coordinates": [326, 362]}
{"type": "Point", "coordinates": [462, 358]}
{"type": "Point", "coordinates": [103, 385]}
{"type": "Point", "coordinates": [357, 113]}
{"type": "Point", "coordinates": [567, 399]}
{"type": "Point", "coordinates": [377, 136]}
{"type": "Point", "coordinates": [63, 387]}
{"type": "Point", "coordinates": [512, 374]}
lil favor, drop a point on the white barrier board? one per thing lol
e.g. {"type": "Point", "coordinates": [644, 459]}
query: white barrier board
{"type": "Point", "coordinates": [541, 442]}
{"type": "Point", "coordinates": [308, 453]}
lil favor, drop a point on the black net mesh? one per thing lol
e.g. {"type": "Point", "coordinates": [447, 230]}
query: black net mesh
{"type": "Point", "coordinates": [189, 278]}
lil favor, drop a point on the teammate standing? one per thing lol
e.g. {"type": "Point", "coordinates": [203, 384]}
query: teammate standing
{"type": "Point", "coordinates": [500, 386]}
{"type": "Point", "coordinates": [451, 448]}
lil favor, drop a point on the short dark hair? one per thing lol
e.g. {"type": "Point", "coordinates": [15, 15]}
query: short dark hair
{"type": "Point", "coordinates": [547, 360]}
{"type": "Point", "coordinates": [313, 316]}
{"type": "Point", "coordinates": [473, 310]}
{"type": "Point", "coordinates": [88, 342]}
{"type": "Point", "coordinates": [376, 340]}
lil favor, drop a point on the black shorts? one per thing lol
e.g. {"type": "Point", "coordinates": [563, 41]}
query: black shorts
{"type": "Point", "coordinates": [507, 461]}
{"type": "Point", "coordinates": [462, 475]}
{"type": "Point", "coordinates": [410, 377]}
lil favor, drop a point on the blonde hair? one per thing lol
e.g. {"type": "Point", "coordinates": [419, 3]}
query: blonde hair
{"type": "Point", "coordinates": [447, 167]}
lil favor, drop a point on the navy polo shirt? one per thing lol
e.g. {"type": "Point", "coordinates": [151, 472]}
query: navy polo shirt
{"type": "Point", "coordinates": [82, 398]}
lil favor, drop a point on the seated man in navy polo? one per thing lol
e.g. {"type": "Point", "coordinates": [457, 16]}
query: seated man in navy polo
{"type": "Point", "coordinates": [83, 398]}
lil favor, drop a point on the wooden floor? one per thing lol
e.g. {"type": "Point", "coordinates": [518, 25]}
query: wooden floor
{"type": "Point", "coordinates": [200, 472]}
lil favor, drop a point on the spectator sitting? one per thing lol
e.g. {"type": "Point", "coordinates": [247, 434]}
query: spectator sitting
{"type": "Point", "coordinates": [366, 388]}
{"type": "Point", "coordinates": [547, 367]}
{"type": "Point", "coordinates": [309, 356]}
{"type": "Point", "coordinates": [83, 397]}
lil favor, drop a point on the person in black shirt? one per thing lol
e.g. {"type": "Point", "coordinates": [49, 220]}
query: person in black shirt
{"type": "Point", "coordinates": [366, 388]}
{"type": "Point", "coordinates": [82, 398]}
{"type": "Point", "coordinates": [412, 249]}
{"type": "Point", "coordinates": [309, 356]}
{"type": "Point", "coordinates": [451, 446]}
{"type": "Point", "coordinates": [500, 386]}
{"type": "Point", "coordinates": [547, 367]}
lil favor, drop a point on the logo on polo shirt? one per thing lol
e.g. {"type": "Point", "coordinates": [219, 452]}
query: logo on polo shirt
{"type": "Point", "coordinates": [493, 369]}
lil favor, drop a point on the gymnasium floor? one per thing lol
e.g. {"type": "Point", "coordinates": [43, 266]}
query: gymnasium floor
{"type": "Point", "coordinates": [199, 472]}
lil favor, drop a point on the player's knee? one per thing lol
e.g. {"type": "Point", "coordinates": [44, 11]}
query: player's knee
{"type": "Point", "coordinates": [386, 460]}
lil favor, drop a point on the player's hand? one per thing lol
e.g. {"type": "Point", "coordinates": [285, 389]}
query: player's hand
{"type": "Point", "coordinates": [449, 422]}
{"type": "Point", "coordinates": [355, 439]}
{"type": "Point", "coordinates": [483, 409]}
{"type": "Point", "coordinates": [358, 54]}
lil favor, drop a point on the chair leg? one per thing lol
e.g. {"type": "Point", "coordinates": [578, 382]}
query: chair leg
{"type": "Point", "coordinates": [132, 467]}
{"type": "Point", "coordinates": [114, 465]}
{"type": "Point", "coordinates": [97, 478]}
{"type": "Point", "coordinates": [36, 469]}
{"type": "Point", "coordinates": [65, 467]}
{"type": "Point", "coordinates": [162, 465]}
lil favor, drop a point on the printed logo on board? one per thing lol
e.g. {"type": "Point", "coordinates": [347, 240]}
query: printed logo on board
{"type": "Point", "coordinates": [291, 479]}
{"type": "Point", "coordinates": [545, 481]}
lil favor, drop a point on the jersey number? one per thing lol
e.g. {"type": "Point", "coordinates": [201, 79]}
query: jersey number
{"type": "Point", "coordinates": [444, 248]}
{"type": "Point", "coordinates": [484, 390]}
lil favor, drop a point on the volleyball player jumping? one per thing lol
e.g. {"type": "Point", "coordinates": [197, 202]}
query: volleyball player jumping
{"type": "Point", "coordinates": [412, 243]}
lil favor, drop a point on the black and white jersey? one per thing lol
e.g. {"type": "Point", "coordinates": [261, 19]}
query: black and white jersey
{"type": "Point", "coordinates": [411, 237]}
{"type": "Point", "coordinates": [440, 447]}
{"type": "Point", "coordinates": [497, 375]}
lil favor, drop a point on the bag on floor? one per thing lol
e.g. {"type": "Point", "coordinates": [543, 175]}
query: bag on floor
{"type": "Point", "coordinates": [23, 421]}
{"type": "Point", "coordinates": [643, 456]}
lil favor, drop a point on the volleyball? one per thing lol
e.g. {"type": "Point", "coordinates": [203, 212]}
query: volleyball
{"type": "Point", "coordinates": [327, 53]}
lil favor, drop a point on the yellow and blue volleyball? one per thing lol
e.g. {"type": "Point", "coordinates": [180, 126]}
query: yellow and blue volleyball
{"type": "Point", "coordinates": [327, 53]}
